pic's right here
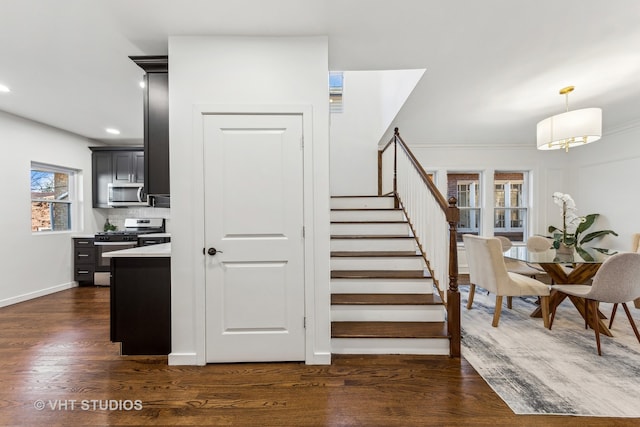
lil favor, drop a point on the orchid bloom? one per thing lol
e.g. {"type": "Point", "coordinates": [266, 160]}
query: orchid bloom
{"type": "Point", "coordinates": [570, 218]}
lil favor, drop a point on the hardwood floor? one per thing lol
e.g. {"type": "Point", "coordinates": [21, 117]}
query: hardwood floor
{"type": "Point", "coordinates": [55, 350]}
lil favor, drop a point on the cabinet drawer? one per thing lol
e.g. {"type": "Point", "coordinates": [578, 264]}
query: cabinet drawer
{"type": "Point", "coordinates": [83, 243]}
{"type": "Point", "coordinates": [85, 255]}
{"type": "Point", "coordinates": [83, 273]}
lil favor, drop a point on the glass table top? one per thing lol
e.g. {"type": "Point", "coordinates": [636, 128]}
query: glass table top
{"type": "Point", "coordinates": [551, 256]}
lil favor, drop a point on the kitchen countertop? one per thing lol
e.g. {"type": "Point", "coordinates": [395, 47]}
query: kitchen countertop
{"type": "Point", "coordinates": [153, 251]}
{"type": "Point", "coordinates": [155, 235]}
{"type": "Point", "coordinates": [83, 236]}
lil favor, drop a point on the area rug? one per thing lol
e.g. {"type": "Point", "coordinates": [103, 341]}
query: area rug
{"type": "Point", "coordinates": [540, 371]}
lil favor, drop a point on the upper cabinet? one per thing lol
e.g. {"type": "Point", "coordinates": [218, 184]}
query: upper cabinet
{"type": "Point", "coordinates": [156, 126]}
{"type": "Point", "coordinates": [128, 166]}
{"type": "Point", "coordinates": [110, 164]}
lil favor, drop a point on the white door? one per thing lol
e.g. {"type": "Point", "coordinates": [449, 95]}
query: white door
{"type": "Point", "coordinates": [253, 171]}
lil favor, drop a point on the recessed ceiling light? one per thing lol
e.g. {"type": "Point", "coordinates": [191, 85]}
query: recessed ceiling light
{"type": "Point", "coordinates": [113, 131]}
{"type": "Point", "coordinates": [4, 88]}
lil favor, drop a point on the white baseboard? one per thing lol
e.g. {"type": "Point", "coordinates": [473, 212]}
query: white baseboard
{"type": "Point", "coordinates": [183, 359]}
{"type": "Point", "coordinates": [423, 346]}
{"type": "Point", "coordinates": [319, 359]}
{"type": "Point", "coordinates": [35, 294]}
{"type": "Point", "coordinates": [192, 359]}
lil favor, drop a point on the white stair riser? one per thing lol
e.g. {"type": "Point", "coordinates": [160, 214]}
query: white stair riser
{"type": "Point", "coordinates": [434, 346]}
{"type": "Point", "coordinates": [387, 313]}
{"type": "Point", "coordinates": [363, 215]}
{"type": "Point", "coordinates": [373, 245]}
{"type": "Point", "coordinates": [371, 229]}
{"type": "Point", "coordinates": [361, 202]}
{"type": "Point", "coordinates": [381, 286]}
{"type": "Point", "coordinates": [365, 263]}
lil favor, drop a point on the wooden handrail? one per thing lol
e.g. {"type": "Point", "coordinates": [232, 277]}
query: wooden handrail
{"type": "Point", "coordinates": [423, 174]}
{"type": "Point", "coordinates": [452, 215]}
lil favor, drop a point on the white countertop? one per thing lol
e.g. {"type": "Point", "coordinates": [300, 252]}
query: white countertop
{"type": "Point", "coordinates": [155, 235]}
{"type": "Point", "coordinates": [153, 251]}
{"type": "Point", "coordinates": [83, 236]}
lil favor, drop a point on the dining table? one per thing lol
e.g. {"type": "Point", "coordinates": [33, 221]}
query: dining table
{"type": "Point", "coordinates": [563, 268]}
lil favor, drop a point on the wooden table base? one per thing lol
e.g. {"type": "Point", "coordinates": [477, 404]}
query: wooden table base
{"type": "Point", "coordinates": [579, 274]}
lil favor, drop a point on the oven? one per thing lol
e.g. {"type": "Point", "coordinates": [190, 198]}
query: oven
{"type": "Point", "coordinates": [127, 238]}
{"type": "Point", "coordinates": [102, 274]}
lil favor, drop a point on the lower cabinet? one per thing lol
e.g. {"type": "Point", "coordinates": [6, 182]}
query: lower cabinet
{"type": "Point", "coordinates": [84, 260]}
{"type": "Point", "coordinates": [141, 305]}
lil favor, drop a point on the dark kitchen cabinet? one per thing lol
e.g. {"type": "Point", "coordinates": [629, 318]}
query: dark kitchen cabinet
{"type": "Point", "coordinates": [128, 166]}
{"type": "Point", "coordinates": [84, 260]}
{"type": "Point", "coordinates": [114, 165]}
{"type": "Point", "coordinates": [156, 124]}
{"type": "Point", "coordinates": [141, 305]}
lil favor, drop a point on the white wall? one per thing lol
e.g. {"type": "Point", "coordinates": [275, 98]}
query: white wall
{"type": "Point", "coordinates": [34, 264]}
{"type": "Point", "coordinates": [604, 176]}
{"type": "Point", "coordinates": [371, 100]}
{"type": "Point", "coordinates": [243, 71]}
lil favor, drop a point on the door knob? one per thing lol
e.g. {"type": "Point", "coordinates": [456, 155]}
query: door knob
{"type": "Point", "coordinates": [213, 251]}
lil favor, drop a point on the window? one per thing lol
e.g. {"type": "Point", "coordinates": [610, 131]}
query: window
{"type": "Point", "coordinates": [510, 212]}
{"type": "Point", "coordinates": [336, 83]}
{"type": "Point", "coordinates": [465, 187]}
{"type": "Point", "coordinates": [51, 197]}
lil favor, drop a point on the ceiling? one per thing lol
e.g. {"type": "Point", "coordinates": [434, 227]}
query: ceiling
{"type": "Point", "coordinates": [494, 67]}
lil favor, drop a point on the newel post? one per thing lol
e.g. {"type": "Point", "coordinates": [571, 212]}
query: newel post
{"type": "Point", "coordinates": [453, 295]}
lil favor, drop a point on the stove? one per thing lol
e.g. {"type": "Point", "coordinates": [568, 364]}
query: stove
{"type": "Point", "coordinates": [108, 241]}
{"type": "Point", "coordinates": [133, 227]}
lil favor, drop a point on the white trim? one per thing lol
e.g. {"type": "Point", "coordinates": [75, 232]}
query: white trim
{"type": "Point", "coordinates": [36, 294]}
{"type": "Point", "coordinates": [425, 346]}
{"type": "Point", "coordinates": [184, 359]}
{"type": "Point", "coordinates": [319, 358]}
{"type": "Point", "coordinates": [313, 301]}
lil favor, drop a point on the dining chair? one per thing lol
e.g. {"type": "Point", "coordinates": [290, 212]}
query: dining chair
{"type": "Point", "coordinates": [635, 247]}
{"type": "Point", "coordinates": [519, 267]}
{"type": "Point", "coordinates": [617, 281]}
{"type": "Point", "coordinates": [487, 269]}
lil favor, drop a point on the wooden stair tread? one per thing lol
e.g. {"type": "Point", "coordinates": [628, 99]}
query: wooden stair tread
{"type": "Point", "coordinates": [371, 254]}
{"type": "Point", "coordinates": [389, 330]}
{"type": "Point", "coordinates": [385, 299]}
{"type": "Point", "coordinates": [371, 236]}
{"type": "Point", "coordinates": [378, 274]}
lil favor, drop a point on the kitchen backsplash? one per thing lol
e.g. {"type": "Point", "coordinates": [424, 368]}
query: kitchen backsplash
{"type": "Point", "coordinates": [117, 216]}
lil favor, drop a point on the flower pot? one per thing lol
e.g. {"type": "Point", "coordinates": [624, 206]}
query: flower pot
{"type": "Point", "coordinates": [564, 249]}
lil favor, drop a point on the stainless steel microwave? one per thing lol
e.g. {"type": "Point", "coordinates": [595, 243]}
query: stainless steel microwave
{"type": "Point", "coordinates": [126, 194]}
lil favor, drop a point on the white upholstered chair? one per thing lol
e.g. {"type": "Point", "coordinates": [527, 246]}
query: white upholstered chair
{"type": "Point", "coordinates": [617, 281]}
{"type": "Point", "coordinates": [515, 266]}
{"type": "Point", "coordinates": [635, 247]}
{"type": "Point", "coordinates": [539, 243]}
{"type": "Point", "coordinates": [488, 270]}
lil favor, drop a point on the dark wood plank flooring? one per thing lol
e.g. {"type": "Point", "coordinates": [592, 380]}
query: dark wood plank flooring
{"type": "Point", "coordinates": [56, 349]}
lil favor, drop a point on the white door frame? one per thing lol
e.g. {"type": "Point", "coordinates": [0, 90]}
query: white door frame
{"type": "Point", "coordinates": [312, 304]}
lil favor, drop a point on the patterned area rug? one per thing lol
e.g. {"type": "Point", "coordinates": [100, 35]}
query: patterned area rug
{"type": "Point", "coordinates": [540, 371]}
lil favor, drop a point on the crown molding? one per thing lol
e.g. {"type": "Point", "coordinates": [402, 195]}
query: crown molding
{"type": "Point", "coordinates": [624, 127]}
{"type": "Point", "coordinates": [471, 146]}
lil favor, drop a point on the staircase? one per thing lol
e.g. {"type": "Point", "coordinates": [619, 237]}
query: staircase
{"type": "Point", "coordinates": [382, 297]}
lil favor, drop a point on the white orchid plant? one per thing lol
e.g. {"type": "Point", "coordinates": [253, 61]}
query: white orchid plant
{"type": "Point", "coordinates": [573, 226]}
